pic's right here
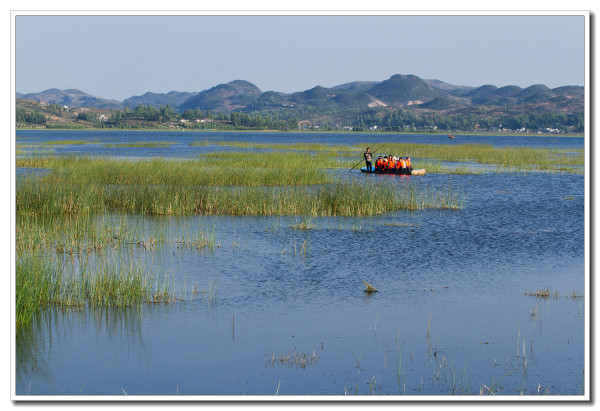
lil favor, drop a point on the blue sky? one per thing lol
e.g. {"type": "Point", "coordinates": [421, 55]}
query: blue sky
{"type": "Point", "coordinates": [118, 57]}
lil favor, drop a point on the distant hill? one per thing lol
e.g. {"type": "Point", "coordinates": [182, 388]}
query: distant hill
{"type": "Point", "coordinates": [71, 98]}
{"type": "Point", "coordinates": [224, 98]}
{"type": "Point", "coordinates": [172, 98]}
{"type": "Point", "coordinates": [345, 103]}
{"type": "Point", "coordinates": [357, 86]}
{"type": "Point", "coordinates": [575, 91]}
{"type": "Point", "coordinates": [533, 90]}
{"type": "Point", "coordinates": [442, 103]}
{"type": "Point", "coordinates": [446, 87]}
{"type": "Point", "coordinates": [400, 89]}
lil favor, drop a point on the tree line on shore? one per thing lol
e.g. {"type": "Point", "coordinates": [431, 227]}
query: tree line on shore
{"type": "Point", "coordinates": [147, 116]}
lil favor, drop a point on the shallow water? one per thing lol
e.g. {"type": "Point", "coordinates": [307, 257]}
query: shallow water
{"type": "Point", "coordinates": [451, 315]}
{"type": "Point", "coordinates": [181, 141]}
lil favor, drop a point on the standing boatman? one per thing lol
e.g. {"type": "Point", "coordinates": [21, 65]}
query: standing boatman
{"type": "Point", "coordinates": [368, 156]}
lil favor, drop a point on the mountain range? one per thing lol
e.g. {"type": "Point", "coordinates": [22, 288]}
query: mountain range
{"type": "Point", "coordinates": [399, 91]}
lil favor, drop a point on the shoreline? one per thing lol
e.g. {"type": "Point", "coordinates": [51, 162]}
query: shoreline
{"type": "Point", "coordinates": [468, 133]}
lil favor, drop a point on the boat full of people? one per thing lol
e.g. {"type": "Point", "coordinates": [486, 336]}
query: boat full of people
{"type": "Point", "coordinates": [392, 165]}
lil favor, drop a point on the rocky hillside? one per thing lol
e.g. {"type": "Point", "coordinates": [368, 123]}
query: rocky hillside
{"type": "Point", "coordinates": [71, 98]}
{"type": "Point", "coordinates": [345, 101]}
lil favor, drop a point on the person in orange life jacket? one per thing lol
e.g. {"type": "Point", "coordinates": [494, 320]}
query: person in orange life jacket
{"type": "Point", "coordinates": [378, 163]}
{"type": "Point", "coordinates": [368, 156]}
{"type": "Point", "coordinates": [391, 164]}
{"type": "Point", "coordinates": [408, 165]}
{"type": "Point", "coordinates": [401, 165]}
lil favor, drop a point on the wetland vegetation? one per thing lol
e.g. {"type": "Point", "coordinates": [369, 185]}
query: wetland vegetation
{"type": "Point", "coordinates": [286, 179]}
{"type": "Point", "coordinates": [226, 183]}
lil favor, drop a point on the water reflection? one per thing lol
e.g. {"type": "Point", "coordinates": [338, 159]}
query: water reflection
{"type": "Point", "coordinates": [54, 328]}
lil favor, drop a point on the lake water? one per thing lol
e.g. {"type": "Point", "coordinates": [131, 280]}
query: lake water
{"type": "Point", "coordinates": [451, 315]}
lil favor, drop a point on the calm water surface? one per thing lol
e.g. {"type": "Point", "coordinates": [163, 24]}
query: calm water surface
{"type": "Point", "coordinates": [451, 315]}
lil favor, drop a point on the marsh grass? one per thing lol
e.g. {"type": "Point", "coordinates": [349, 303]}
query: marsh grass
{"type": "Point", "coordinates": [58, 215]}
{"type": "Point", "coordinates": [23, 150]}
{"type": "Point", "coordinates": [216, 170]}
{"type": "Point", "coordinates": [545, 293]}
{"type": "Point", "coordinates": [62, 143]}
{"type": "Point", "coordinates": [162, 187]}
{"type": "Point", "coordinates": [73, 263]}
{"type": "Point", "coordinates": [279, 159]}
{"type": "Point", "coordinates": [142, 144]}
{"type": "Point", "coordinates": [488, 154]}
{"type": "Point", "coordinates": [508, 159]}
{"type": "Point", "coordinates": [34, 286]}
{"type": "Point", "coordinates": [305, 224]}
{"type": "Point", "coordinates": [297, 359]}
{"type": "Point", "coordinates": [309, 147]}
{"type": "Point", "coordinates": [42, 282]}
{"type": "Point", "coordinates": [433, 166]}
{"type": "Point", "coordinates": [201, 143]}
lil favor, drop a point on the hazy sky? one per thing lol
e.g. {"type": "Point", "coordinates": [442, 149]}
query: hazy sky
{"type": "Point", "coordinates": [118, 57]}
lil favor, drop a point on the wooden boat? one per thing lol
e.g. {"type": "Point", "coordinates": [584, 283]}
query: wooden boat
{"type": "Point", "coordinates": [418, 172]}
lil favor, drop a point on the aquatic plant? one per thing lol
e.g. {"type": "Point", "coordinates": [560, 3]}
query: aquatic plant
{"type": "Point", "coordinates": [42, 282]}
{"type": "Point", "coordinates": [201, 143]}
{"type": "Point", "coordinates": [34, 286]}
{"type": "Point", "coordinates": [488, 154]}
{"type": "Point", "coordinates": [297, 359]}
{"type": "Point", "coordinates": [539, 293]}
{"type": "Point", "coordinates": [305, 224]}
{"type": "Point", "coordinates": [161, 187]}
{"type": "Point", "coordinates": [142, 144]}
{"type": "Point", "coordinates": [44, 244]}
{"type": "Point", "coordinates": [63, 143]}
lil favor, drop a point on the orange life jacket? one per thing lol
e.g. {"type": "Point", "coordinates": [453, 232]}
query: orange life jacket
{"type": "Point", "coordinates": [408, 163]}
{"type": "Point", "coordinates": [391, 163]}
{"type": "Point", "coordinates": [402, 163]}
{"type": "Point", "coordinates": [378, 163]}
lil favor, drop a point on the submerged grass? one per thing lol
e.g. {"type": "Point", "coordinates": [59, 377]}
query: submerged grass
{"type": "Point", "coordinates": [142, 144]}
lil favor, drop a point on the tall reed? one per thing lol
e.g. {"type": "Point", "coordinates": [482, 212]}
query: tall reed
{"type": "Point", "coordinates": [162, 187]}
{"type": "Point", "coordinates": [42, 282]}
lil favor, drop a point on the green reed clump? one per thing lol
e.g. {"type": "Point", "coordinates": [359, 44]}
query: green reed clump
{"type": "Point", "coordinates": [206, 172]}
{"type": "Point", "coordinates": [63, 143]}
{"type": "Point", "coordinates": [41, 282]}
{"type": "Point", "coordinates": [341, 198]}
{"type": "Point", "coordinates": [280, 159]}
{"type": "Point", "coordinates": [110, 285]}
{"type": "Point", "coordinates": [229, 183]}
{"type": "Point", "coordinates": [142, 144]}
{"type": "Point", "coordinates": [339, 156]}
{"type": "Point", "coordinates": [34, 286]}
{"type": "Point", "coordinates": [201, 143]}
{"type": "Point", "coordinates": [436, 167]}
{"type": "Point", "coordinates": [488, 154]}
{"type": "Point", "coordinates": [310, 147]}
